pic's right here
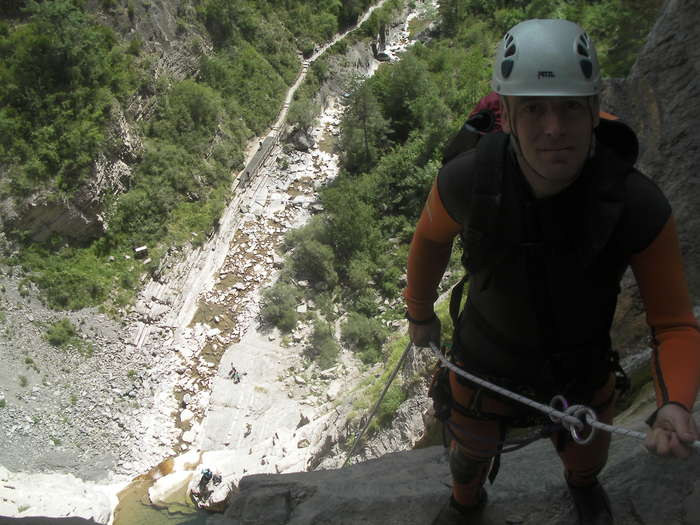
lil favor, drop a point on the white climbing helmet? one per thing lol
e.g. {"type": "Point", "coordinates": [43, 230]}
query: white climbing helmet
{"type": "Point", "coordinates": [546, 58]}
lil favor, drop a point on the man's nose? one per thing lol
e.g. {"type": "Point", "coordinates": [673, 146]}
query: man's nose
{"type": "Point", "coordinates": [553, 121]}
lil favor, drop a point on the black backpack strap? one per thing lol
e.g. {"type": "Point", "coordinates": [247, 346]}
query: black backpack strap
{"type": "Point", "coordinates": [485, 201]}
{"type": "Point", "coordinates": [484, 206]}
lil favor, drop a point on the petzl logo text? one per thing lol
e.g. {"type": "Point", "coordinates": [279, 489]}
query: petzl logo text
{"type": "Point", "coordinates": [545, 74]}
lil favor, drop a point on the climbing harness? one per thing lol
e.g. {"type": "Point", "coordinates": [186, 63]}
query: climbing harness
{"type": "Point", "coordinates": [574, 418]}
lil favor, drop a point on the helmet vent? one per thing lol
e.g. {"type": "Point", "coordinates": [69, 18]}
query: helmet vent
{"type": "Point", "coordinates": [508, 39]}
{"type": "Point", "coordinates": [506, 68]}
{"type": "Point", "coordinates": [586, 68]}
{"type": "Point", "coordinates": [582, 51]}
{"type": "Point", "coordinates": [510, 51]}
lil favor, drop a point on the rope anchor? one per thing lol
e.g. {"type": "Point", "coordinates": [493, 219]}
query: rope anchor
{"type": "Point", "coordinates": [584, 415]}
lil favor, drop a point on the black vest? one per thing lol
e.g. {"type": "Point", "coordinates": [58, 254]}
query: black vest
{"type": "Point", "coordinates": [544, 273]}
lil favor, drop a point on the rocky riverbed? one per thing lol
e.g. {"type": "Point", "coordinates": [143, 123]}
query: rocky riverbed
{"type": "Point", "coordinates": [74, 408]}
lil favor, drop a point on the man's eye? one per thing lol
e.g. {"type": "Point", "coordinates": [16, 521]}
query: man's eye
{"type": "Point", "coordinates": [531, 108]}
{"type": "Point", "coordinates": [574, 105]}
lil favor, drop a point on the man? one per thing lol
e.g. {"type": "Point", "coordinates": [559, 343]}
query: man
{"type": "Point", "coordinates": [568, 216]}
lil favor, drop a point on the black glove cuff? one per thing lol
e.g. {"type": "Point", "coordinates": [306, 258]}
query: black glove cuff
{"type": "Point", "coordinates": [652, 418]}
{"type": "Point", "coordinates": [429, 320]}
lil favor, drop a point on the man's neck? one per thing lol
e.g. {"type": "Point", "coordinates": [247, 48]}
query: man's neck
{"type": "Point", "coordinates": [540, 186]}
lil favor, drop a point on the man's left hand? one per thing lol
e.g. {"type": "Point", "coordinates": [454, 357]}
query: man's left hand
{"type": "Point", "coordinates": [673, 432]}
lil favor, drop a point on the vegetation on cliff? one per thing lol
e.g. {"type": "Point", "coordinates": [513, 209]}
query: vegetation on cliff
{"type": "Point", "coordinates": [64, 72]}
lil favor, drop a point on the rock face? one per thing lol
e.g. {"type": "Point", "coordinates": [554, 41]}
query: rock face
{"type": "Point", "coordinates": [658, 99]}
{"type": "Point", "coordinates": [410, 487]}
{"type": "Point", "coordinates": [54, 496]}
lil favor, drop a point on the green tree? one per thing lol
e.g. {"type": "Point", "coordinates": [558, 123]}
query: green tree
{"type": "Point", "coordinates": [619, 29]}
{"type": "Point", "coordinates": [396, 87]}
{"type": "Point", "coordinates": [314, 261]}
{"type": "Point", "coordinates": [351, 221]}
{"type": "Point", "coordinates": [60, 72]}
{"type": "Point", "coordinates": [278, 306]}
{"type": "Point", "coordinates": [364, 131]}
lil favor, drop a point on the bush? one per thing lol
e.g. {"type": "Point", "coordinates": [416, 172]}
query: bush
{"type": "Point", "coordinates": [69, 277]}
{"type": "Point", "coordinates": [388, 407]}
{"type": "Point", "coordinates": [389, 279]}
{"type": "Point", "coordinates": [279, 306]}
{"type": "Point", "coordinates": [188, 114]}
{"type": "Point", "coordinates": [316, 229]}
{"type": "Point", "coordinates": [359, 274]}
{"type": "Point", "coordinates": [365, 302]}
{"type": "Point", "coordinates": [323, 348]}
{"type": "Point", "coordinates": [504, 19]}
{"type": "Point", "coordinates": [61, 333]}
{"type": "Point", "coordinates": [364, 336]}
{"type": "Point", "coordinates": [326, 305]}
{"type": "Point", "coordinates": [314, 261]}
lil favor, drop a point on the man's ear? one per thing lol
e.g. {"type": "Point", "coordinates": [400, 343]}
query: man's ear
{"type": "Point", "coordinates": [505, 116]}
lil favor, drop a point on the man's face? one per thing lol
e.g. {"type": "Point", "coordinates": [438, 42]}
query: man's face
{"type": "Point", "coordinates": [554, 133]}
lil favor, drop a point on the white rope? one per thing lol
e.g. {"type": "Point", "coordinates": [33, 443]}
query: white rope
{"type": "Point", "coordinates": [574, 419]}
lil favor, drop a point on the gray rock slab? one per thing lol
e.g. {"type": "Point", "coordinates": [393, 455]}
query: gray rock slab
{"type": "Point", "coordinates": [410, 488]}
{"type": "Point", "coordinates": [260, 402]}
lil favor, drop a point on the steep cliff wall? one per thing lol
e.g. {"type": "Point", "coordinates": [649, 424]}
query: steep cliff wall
{"type": "Point", "coordinates": [659, 100]}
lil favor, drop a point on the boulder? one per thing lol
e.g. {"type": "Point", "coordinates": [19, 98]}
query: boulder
{"type": "Point", "coordinates": [54, 495]}
{"type": "Point", "coordinates": [186, 416]}
{"type": "Point", "coordinates": [213, 498]}
{"type": "Point", "coordinates": [301, 139]}
{"type": "Point", "coordinates": [187, 461]}
{"type": "Point", "coordinates": [170, 489]}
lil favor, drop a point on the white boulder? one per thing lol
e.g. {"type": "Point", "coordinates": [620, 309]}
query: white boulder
{"type": "Point", "coordinates": [170, 489]}
{"type": "Point", "coordinates": [186, 416]}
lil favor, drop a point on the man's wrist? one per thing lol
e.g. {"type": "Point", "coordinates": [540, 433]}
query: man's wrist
{"type": "Point", "coordinates": [652, 418]}
{"type": "Point", "coordinates": [420, 322]}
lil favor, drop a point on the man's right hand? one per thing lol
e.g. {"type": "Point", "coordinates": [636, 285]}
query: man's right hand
{"type": "Point", "coordinates": [423, 334]}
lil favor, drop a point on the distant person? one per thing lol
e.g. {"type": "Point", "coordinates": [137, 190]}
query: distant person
{"type": "Point", "coordinates": [206, 478]}
{"type": "Point", "coordinates": [551, 215]}
{"type": "Point", "coordinates": [234, 375]}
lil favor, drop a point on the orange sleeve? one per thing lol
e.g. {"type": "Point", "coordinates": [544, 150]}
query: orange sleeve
{"type": "Point", "coordinates": [658, 270]}
{"type": "Point", "coordinates": [428, 256]}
